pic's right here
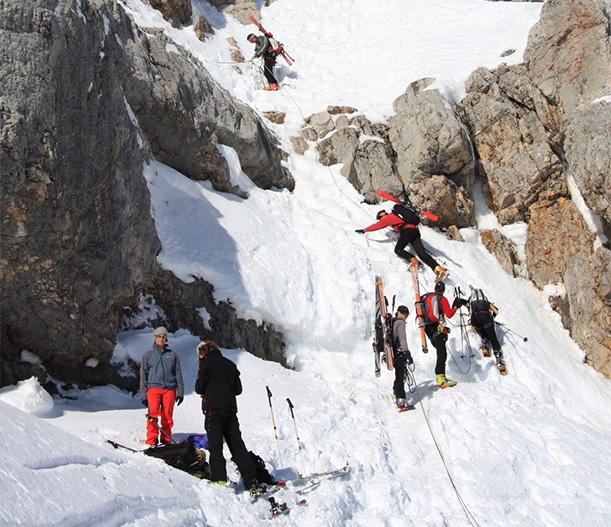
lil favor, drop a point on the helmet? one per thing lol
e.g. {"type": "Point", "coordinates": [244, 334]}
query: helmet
{"type": "Point", "coordinates": [380, 214]}
{"type": "Point", "coordinates": [251, 37]}
{"type": "Point", "coordinates": [440, 287]}
{"type": "Point", "coordinates": [403, 310]}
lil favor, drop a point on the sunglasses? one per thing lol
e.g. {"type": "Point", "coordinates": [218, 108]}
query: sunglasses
{"type": "Point", "coordinates": [161, 337]}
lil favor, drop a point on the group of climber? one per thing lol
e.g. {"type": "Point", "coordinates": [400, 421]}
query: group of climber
{"type": "Point", "coordinates": [482, 313]}
{"type": "Point", "coordinates": [404, 220]}
{"type": "Point", "coordinates": [218, 383]}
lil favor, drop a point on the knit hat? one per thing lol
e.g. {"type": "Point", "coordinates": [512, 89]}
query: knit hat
{"type": "Point", "coordinates": [161, 331]}
{"type": "Point", "coordinates": [403, 310]}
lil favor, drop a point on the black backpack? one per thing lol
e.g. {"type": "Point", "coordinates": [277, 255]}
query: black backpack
{"type": "Point", "coordinates": [263, 476]}
{"type": "Point", "coordinates": [407, 213]}
{"type": "Point", "coordinates": [478, 303]}
{"type": "Point", "coordinates": [183, 456]}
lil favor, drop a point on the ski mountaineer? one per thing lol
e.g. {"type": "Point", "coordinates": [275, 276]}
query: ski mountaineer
{"type": "Point", "coordinates": [409, 234]}
{"type": "Point", "coordinates": [161, 385]}
{"type": "Point", "coordinates": [263, 48]}
{"type": "Point", "coordinates": [436, 309]}
{"type": "Point", "coordinates": [483, 313]}
{"type": "Point", "coordinates": [401, 357]}
{"type": "Point", "coordinates": [218, 382]}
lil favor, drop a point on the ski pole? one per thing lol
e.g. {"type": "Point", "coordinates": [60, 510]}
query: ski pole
{"type": "Point", "coordinates": [156, 424]}
{"type": "Point", "coordinates": [294, 422]}
{"type": "Point", "coordinates": [525, 339]}
{"type": "Point", "coordinates": [116, 445]}
{"type": "Point", "coordinates": [271, 411]}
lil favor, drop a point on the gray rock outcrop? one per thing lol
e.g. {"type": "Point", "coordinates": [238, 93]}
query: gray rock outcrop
{"type": "Point", "coordinates": [79, 243]}
{"type": "Point", "coordinates": [516, 161]}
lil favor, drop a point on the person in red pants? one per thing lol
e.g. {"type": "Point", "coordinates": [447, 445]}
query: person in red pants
{"type": "Point", "coordinates": [161, 386]}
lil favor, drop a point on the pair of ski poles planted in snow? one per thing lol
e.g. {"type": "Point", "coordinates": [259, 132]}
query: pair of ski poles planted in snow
{"type": "Point", "coordinates": [271, 410]}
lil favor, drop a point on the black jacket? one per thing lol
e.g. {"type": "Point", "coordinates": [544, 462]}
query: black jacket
{"type": "Point", "coordinates": [218, 381]}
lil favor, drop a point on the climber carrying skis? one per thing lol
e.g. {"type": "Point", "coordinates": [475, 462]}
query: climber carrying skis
{"type": "Point", "coordinates": [404, 219]}
{"type": "Point", "coordinates": [264, 48]}
{"type": "Point", "coordinates": [402, 358]}
{"type": "Point", "coordinates": [435, 309]}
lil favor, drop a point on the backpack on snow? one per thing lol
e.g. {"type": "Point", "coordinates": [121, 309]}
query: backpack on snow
{"type": "Point", "coordinates": [183, 456]}
{"type": "Point", "coordinates": [429, 304]}
{"type": "Point", "coordinates": [263, 476]}
{"type": "Point", "coordinates": [407, 213]}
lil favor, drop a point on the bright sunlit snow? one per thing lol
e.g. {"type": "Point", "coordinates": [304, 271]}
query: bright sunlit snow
{"type": "Point", "coordinates": [529, 449]}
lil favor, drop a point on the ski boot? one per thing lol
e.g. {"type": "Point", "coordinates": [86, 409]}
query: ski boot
{"type": "Point", "coordinates": [277, 509]}
{"type": "Point", "coordinates": [415, 264]}
{"type": "Point", "coordinates": [442, 382]}
{"type": "Point", "coordinates": [402, 405]}
{"type": "Point", "coordinates": [485, 348]}
{"type": "Point", "coordinates": [500, 363]}
{"type": "Point", "coordinates": [441, 273]}
{"type": "Point", "coordinates": [272, 87]}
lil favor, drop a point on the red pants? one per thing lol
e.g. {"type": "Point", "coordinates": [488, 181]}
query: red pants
{"type": "Point", "coordinates": [161, 403]}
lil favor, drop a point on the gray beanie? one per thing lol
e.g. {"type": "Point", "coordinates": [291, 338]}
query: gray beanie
{"type": "Point", "coordinates": [161, 331]}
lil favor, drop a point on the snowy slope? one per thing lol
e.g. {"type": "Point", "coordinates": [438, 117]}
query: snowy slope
{"type": "Point", "coordinates": [532, 448]}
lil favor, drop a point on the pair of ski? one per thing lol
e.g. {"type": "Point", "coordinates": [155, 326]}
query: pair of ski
{"type": "Point", "coordinates": [304, 483]}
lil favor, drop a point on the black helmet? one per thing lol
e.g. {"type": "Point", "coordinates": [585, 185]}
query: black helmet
{"type": "Point", "coordinates": [251, 37]}
{"type": "Point", "coordinates": [440, 287]}
{"type": "Point", "coordinates": [403, 310]}
{"type": "Point", "coordinates": [380, 214]}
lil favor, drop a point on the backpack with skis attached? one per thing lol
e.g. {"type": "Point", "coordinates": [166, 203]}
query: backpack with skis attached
{"type": "Point", "coordinates": [274, 45]}
{"type": "Point", "coordinates": [405, 210]}
{"type": "Point", "coordinates": [407, 213]}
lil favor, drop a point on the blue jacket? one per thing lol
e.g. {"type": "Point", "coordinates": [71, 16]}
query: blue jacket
{"type": "Point", "coordinates": [160, 368]}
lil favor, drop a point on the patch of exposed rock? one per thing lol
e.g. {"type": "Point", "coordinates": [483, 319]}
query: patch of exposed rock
{"type": "Point", "coordinates": [177, 12]}
{"type": "Point", "coordinates": [79, 243]}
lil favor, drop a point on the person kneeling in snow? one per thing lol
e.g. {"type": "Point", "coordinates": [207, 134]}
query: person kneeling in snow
{"type": "Point", "coordinates": [218, 382]}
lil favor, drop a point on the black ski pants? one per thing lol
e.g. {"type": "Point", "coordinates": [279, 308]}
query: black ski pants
{"type": "Point", "coordinates": [483, 324]}
{"type": "Point", "coordinates": [438, 339]}
{"type": "Point", "coordinates": [269, 61]}
{"type": "Point", "coordinates": [223, 424]}
{"type": "Point", "coordinates": [412, 237]}
{"type": "Point", "coordinates": [400, 363]}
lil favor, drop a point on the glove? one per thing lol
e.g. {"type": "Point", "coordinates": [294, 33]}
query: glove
{"type": "Point", "coordinates": [145, 402]}
{"type": "Point", "coordinates": [256, 55]}
{"type": "Point", "coordinates": [459, 302]}
{"type": "Point", "coordinates": [360, 231]}
{"type": "Point", "coordinates": [408, 358]}
{"type": "Point", "coordinates": [179, 400]}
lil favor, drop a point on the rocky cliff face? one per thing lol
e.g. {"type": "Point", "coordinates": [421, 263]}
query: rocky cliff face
{"type": "Point", "coordinates": [87, 98]}
{"type": "Point", "coordinates": [528, 132]}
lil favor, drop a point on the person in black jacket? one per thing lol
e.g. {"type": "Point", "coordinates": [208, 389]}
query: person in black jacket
{"type": "Point", "coordinates": [218, 382]}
